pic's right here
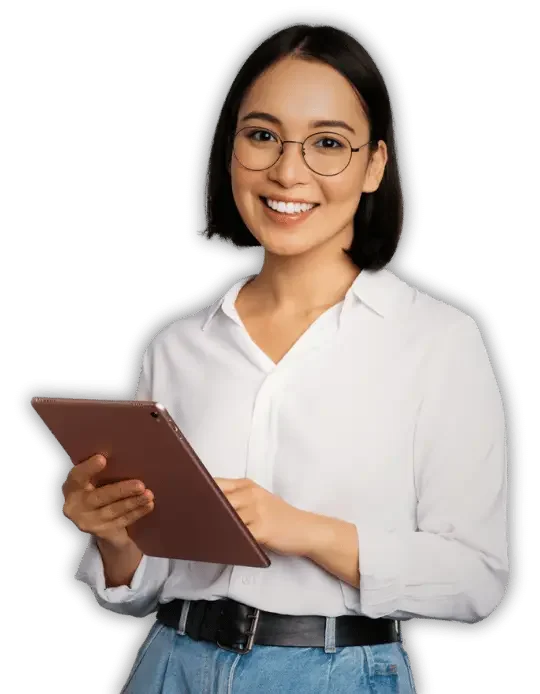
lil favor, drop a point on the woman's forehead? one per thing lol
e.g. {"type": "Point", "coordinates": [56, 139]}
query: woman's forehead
{"type": "Point", "coordinates": [299, 91]}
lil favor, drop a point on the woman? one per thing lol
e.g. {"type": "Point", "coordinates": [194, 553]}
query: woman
{"type": "Point", "coordinates": [353, 422]}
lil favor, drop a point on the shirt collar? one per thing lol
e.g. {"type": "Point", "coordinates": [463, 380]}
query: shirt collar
{"type": "Point", "coordinates": [227, 301]}
{"type": "Point", "coordinates": [377, 289]}
{"type": "Point", "coordinates": [374, 288]}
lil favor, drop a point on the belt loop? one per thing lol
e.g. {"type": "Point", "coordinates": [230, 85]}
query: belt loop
{"type": "Point", "coordinates": [183, 617]}
{"type": "Point", "coordinates": [330, 635]}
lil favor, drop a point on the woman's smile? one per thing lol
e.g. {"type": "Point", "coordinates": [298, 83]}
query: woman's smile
{"type": "Point", "coordinates": [287, 214]}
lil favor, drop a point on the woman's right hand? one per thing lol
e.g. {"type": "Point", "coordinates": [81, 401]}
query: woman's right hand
{"type": "Point", "coordinates": [106, 511]}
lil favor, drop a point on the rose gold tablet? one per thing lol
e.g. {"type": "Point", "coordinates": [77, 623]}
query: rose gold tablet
{"type": "Point", "coordinates": [192, 518]}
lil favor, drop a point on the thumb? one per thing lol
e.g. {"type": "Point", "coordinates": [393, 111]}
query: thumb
{"type": "Point", "coordinates": [83, 472]}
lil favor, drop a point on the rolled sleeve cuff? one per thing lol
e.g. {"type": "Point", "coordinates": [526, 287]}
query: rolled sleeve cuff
{"type": "Point", "coordinates": [91, 572]}
{"type": "Point", "coordinates": [380, 567]}
{"type": "Point", "coordinates": [138, 599]}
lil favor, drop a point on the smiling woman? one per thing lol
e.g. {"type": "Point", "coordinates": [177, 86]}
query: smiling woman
{"type": "Point", "coordinates": [342, 411]}
{"type": "Point", "coordinates": [278, 122]}
{"type": "Point", "coordinates": [288, 94]}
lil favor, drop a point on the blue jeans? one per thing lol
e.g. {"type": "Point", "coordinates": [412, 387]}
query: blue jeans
{"type": "Point", "coordinates": [172, 663]}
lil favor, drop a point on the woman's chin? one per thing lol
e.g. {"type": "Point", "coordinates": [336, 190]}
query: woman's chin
{"type": "Point", "coordinates": [289, 246]}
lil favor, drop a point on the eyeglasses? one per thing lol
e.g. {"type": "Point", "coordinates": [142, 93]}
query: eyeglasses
{"type": "Point", "coordinates": [325, 153]}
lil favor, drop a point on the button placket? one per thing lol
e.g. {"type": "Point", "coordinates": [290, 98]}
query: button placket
{"type": "Point", "coordinates": [259, 463]}
{"type": "Point", "coordinates": [260, 455]}
{"type": "Point", "coordinates": [262, 444]}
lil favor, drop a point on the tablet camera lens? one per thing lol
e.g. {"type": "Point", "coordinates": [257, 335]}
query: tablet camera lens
{"type": "Point", "coordinates": [155, 415]}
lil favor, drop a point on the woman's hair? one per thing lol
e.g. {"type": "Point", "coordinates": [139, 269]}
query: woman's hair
{"type": "Point", "coordinates": [379, 217]}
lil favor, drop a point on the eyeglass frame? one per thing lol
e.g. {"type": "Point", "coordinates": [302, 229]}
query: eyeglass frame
{"type": "Point", "coordinates": [298, 142]}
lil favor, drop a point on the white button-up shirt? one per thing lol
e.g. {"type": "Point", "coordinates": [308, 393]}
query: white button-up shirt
{"type": "Point", "coordinates": [385, 413]}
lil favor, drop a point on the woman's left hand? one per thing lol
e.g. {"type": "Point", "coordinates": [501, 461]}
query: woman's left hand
{"type": "Point", "coordinates": [273, 522]}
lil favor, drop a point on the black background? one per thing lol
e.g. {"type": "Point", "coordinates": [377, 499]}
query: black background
{"type": "Point", "coordinates": [123, 110]}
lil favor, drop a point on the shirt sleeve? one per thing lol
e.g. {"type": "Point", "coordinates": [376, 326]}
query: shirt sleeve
{"type": "Point", "coordinates": [141, 597]}
{"type": "Point", "coordinates": [138, 599]}
{"type": "Point", "coordinates": [144, 385]}
{"type": "Point", "coordinates": [455, 565]}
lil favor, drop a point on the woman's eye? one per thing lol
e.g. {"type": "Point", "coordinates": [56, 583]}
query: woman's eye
{"type": "Point", "coordinates": [330, 143]}
{"type": "Point", "coordinates": [265, 135]}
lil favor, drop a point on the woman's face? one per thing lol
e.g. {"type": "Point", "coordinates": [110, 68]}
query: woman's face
{"type": "Point", "coordinates": [297, 92]}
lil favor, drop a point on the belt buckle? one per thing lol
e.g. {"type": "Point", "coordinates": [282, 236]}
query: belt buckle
{"type": "Point", "coordinates": [250, 636]}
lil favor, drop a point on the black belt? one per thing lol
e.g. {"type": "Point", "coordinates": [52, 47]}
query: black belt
{"type": "Point", "coordinates": [237, 627]}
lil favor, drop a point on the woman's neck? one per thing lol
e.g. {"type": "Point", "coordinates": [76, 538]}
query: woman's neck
{"type": "Point", "coordinates": [293, 285]}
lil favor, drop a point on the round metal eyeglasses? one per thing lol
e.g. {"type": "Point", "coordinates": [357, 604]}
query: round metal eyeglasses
{"type": "Point", "coordinates": [325, 153]}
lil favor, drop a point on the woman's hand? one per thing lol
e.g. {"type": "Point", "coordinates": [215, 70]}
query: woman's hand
{"type": "Point", "coordinates": [273, 522]}
{"type": "Point", "coordinates": [107, 511]}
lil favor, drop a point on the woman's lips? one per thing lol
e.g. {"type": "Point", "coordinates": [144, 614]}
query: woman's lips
{"type": "Point", "coordinates": [285, 219]}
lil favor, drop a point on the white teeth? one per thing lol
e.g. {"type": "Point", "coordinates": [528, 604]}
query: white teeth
{"type": "Point", "coordinates": [289, 207]}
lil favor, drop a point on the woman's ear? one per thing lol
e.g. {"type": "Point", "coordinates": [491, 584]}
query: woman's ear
{"type": "Point", "coordinates": [376, 168]}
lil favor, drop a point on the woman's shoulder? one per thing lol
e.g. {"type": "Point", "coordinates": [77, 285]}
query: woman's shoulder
{"type": "Point", "coordinates": [182, 328]}
{"type": "Point", "coordinates": [431, 318]}
{"type": "Point", "coordinates": [189, 326]}
{"type": "Point", "coordinates": [442, 334]}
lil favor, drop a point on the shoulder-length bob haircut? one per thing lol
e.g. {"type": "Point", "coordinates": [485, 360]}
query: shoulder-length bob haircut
{"type": "Point", "coordinates": [379, 217]}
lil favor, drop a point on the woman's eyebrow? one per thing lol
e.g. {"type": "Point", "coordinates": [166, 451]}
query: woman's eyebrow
{"type": "Point", "coordinates": [262, 115]}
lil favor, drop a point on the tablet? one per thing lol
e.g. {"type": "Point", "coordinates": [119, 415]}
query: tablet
{"type": "Point", "coordinates": [192, 518]}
